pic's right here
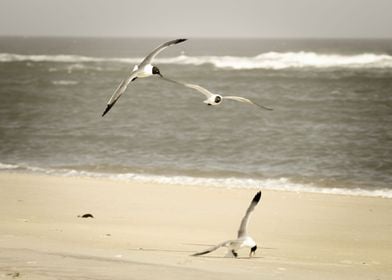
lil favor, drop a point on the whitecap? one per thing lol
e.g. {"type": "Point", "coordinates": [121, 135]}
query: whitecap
{"type": "Point", "coordinates": [8, 166]}
{"type": "Point", "coordinates": [65, 82]}
{"type": "Point", "coordinates": [287, 60]}
{"type": "Point", "coordinates": [268, 60]}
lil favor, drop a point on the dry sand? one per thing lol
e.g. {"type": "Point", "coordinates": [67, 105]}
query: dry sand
{"type": "Point", "coordinates": [148, 231]}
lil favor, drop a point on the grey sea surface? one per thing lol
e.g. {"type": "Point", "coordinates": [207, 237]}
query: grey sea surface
{"type": "Point", "coordinates": [330, 129]}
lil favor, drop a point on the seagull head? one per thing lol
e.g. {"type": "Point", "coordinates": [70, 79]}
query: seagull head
{"type": "Point", "coordinates": [155, 71]}
{"type": "Point", "coordinates": [218, 99]}
{"type": "Point", "coordinates": [213, 100]}
{"type": "Point", "coordinates": [253, 251]}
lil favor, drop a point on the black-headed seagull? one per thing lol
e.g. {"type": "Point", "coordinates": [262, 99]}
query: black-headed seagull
{"type": "Point", "coordinates": [243, 238]}
{"type": "Point", "coordinates": [143, 70]}
{"type": "Point", "coordinates": [216, 99]}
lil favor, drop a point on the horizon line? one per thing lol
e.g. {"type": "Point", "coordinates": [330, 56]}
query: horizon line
{"type": "Point", "coordinates": [192, 37]}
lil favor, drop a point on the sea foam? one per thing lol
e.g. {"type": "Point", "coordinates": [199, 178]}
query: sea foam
{"type": "Point", "coordinates": [64, 82]}
{"type": "Point", "coordinates": [4, 166]}
{"type": "Point", "coordinates": [268, 60]}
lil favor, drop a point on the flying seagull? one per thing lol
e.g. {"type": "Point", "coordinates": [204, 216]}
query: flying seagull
{"type": "Point", "coordinates": [144, 69]}
{"type": "Point", "coordinates": [243, 239]}
{"type": "Point", "coordinates": [216, 99]}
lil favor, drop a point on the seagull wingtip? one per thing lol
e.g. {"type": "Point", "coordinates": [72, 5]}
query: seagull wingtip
{"type": "Point", "coordinates": [257, 196]}
{"type": "Point", "coordinates": [181, 40]}
{"type": "Point", "coordinates": [199, 253]}
{"type": "Point", "coordinates": [264, 107]}
{"type": "Point", "coordinates": [107, 109]}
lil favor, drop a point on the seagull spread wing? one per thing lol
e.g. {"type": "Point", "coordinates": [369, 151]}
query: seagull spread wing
{"type": "Point", "coordinates": [119, 91]}
{"type": "Point", "coordinates": [211, 249]}
{"type": "Point", "coordinates": [244, 223]}
{"type": "Point", "coordinates": [245, 100]}
{"type": "Point", "coordinates": [157, 50]}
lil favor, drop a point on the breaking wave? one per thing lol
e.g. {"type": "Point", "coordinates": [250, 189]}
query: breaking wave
{"type": "Point", "coordinates": [4, 166]}
{"type": "Point", "coordinates": [64, 83]}
{"type": "Point", "coordinates": [268, 60]}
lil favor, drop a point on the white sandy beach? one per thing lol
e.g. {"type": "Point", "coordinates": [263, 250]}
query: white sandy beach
{"type": "Point", "coordinates": [149, 231]}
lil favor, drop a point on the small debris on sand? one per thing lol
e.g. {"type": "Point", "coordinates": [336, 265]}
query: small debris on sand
{"type": "Point", "coordinates": [88, 215]}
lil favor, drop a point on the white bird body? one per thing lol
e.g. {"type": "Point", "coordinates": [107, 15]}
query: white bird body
{"type": "Point", "coordinates": [243, 239]}
{"type": "Point", "coordinates": [144, 72]}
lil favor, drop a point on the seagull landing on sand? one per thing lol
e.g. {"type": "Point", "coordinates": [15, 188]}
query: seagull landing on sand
{"type": "Point", "coordinates": [216, 99]}
{"type": "Point", "coordinates": [243, 239]}
{"type": "Point", "coordinates": [144, 69]}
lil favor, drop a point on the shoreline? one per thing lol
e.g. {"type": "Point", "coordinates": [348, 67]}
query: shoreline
{"type": "Point", "coordinates": [272, 184]}
{"type": "Point", "coordinates": [149, 230]}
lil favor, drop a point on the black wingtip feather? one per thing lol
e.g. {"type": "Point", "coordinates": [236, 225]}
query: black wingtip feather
{"type": "Point", "coordinates": [180, 40]}
{"type": "Point", "coordinates": [107, 109]}
{"type": "Point", "coordinates": [200, 253]}
{"type": "Point", "coordinates": [257, 197]}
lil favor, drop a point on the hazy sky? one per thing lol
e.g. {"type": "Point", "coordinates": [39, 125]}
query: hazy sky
{"type": "Point", "coordinates": [198, 18]}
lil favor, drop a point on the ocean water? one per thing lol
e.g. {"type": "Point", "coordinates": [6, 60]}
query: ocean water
{"type": "Point", "coordinates": [330, 130]}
